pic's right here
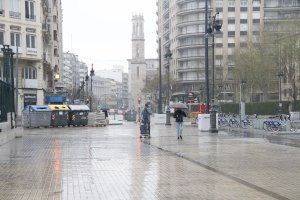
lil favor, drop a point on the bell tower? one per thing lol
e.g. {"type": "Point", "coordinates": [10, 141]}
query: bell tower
{"type": "Point", "coordinates": [138, 39]}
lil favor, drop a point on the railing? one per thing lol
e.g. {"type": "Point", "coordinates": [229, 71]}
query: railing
{"type": "Point", "coordinates": [6, 100]}
{"type": "Point", "coordinates": [15, 15]}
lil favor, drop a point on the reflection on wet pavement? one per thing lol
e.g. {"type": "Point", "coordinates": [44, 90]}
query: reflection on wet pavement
{"type": "Point", "coordinates": [113, 163]}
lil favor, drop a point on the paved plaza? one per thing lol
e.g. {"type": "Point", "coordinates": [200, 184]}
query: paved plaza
{"type": "Point", "coordinates": [113, 163]}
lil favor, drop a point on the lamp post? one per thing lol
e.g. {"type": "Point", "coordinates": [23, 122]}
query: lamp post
{"type": "Point", "coordinates": [214, 25]}
{"type": "Point", "coordinates": [92, 73]}
{"type": "Point", "coordinates": [87, 87]}
{"type": "Point", "coordinates": [168, 56]}
{"type": "Point", "coordinates": [280, 76]}
{"type": "Point", "coordinates": [206, 58]}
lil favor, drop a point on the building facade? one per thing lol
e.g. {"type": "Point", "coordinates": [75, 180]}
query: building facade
{"type": "Point", "coordinates": [181, 27]}
{"type": "Point", "coordinates": [107, 93]}
{"type": "Point", "coordinates": [282, 22]}
{"type": "Point", "coordinates": [74, 73]}
{"type": "Point", "coordinates": [22, 27]}
{"type": "Point", "coordinates": [139, 68]}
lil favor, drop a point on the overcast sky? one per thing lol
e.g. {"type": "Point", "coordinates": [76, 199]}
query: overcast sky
{"type": "Point", "coordinates": [99, 31]}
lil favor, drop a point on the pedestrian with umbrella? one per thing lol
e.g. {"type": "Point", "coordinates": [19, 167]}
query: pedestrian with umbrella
{"type": "Point", "coordinates": [178, 115]}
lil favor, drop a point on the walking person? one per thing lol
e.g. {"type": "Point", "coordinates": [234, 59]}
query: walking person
{"type": "Point", "coordinates": [146, 118]}
{"type": "Point", "coordinates": [178, 115]}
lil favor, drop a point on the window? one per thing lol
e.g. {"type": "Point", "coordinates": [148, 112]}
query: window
{"type": "Point", "coordinates": [1, 38]}
{"type": "Point", "coordinates": [231, 9]}
{"type": "Point", "coordinates": [256, 20]}
{"type": "Point", "coordinates": [243, 21]}
{"type": "Point", "coordinates": [231, 3]}
{"type": "Point", "coordinates": [231, 21]}
{"type": "Point", "coordinates": [231, 33]}
{"type": "Point", "coordinates": [243, 9]}
{"type": "Point", "coordinates": [29, 73]}
{"type": "Point", "coordinates": [15, 39]}
{"type": "Point", "coordinates": [244, 3]}
{"type": "Point", "coordinates": [30, 41]}
{"type": "Point", "coordinates": [138, 72]}
{"type": "Point", "coordinates": [55, 35]}
{"type": "Point", "coordinates": [14, 5]}
{"type": "Point", "coordinates": [29, 10]}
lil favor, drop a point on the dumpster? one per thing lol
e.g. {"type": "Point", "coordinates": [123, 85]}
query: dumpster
{"type": "Point", "coordinates": [78, 115]}
{"type": "Point", "coordinates": [131, 115]}
{"type": "Point", "coordinates": [59, 115]}
{"type": "Point", "coordinates": [36, 116]}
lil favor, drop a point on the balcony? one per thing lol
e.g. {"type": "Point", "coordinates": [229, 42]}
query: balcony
{"type": "Point", "coordinates": [183, 1]}
{"type": "Point", "coordinates": [189, 45]}
{"type": "Point", "coordinates": [14, 48]}
{"type": "Point", "coordinates": [186, 11]}
{"type": "Point", "coordinates": [14, 15]}
{"type": "Point", "coordinates": [30, 83]}
{"type": "Point", "coordinates": [189, 69]}
{"type": "Point", "coordinates": [189, 57]}
{"type": "Point", "coordinates": [189, 34]}
{"type": "Point", "coordinates": [282, 8]}
{"type": "Point", "coordinates": [181, 23]}
{"type": "Point", "coordinates": [46, 32]}
{"type": "Point", "coordinates": [32, 51]}
{"type": "Point", "coordinates": [46, 7]}
{"type": "Point", "coordinates": [191, 80]}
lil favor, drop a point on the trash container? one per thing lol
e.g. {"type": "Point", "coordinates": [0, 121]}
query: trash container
{"type": "Point", "coordinates": [131, 115]}
{"type": "Point", "coordinates": [36, 116]}
{"type": "Point", "coordinates": [78, 115]}
{"type": "Point", "coordinates": [59, 115]}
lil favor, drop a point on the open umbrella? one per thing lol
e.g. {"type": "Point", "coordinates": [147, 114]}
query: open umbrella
{"type": "Point", "coordinates": [178, 105]}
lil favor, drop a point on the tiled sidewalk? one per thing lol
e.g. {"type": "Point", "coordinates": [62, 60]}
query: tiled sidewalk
{"type": "Point", "coordinates": [113, 163]}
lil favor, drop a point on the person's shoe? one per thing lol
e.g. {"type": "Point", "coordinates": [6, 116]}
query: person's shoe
{"type": "Point", "coordinates": [180, 137]}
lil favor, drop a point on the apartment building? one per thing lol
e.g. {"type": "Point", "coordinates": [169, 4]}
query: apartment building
{"type": "Point", "coordinates": [107, 92]}
{"type": "Point", "coordinates": [22, 27]}
{"type": "Point", "coordinates": [282, 21]}
{"type": "Point", "coordinates": [181, 27]}
{"type": "Point", "coordinates": [73, 74]}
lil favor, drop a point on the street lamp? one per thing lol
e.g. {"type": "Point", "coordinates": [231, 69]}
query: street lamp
{"type": "Point", "coordinates": [280, 76]}
{"type": "Point", "coordinates": [214, 26]}
{"type": "Point", "coordinates": [92, 73]}
{"type": "Point", "coordinates": [168, 56]}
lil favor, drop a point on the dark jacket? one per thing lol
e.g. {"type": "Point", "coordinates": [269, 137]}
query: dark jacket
{"type": "Point", "coordinates": [178, 115]}
{"type": "Point", "coordinates": [146, 115]}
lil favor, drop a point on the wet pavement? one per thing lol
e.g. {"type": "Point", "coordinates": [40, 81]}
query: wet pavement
{"type": "Point", "coordinates": [113, 163]}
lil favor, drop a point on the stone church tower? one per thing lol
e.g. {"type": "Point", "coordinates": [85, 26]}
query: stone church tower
{"type": "Point", "coordinates": [137, 65]}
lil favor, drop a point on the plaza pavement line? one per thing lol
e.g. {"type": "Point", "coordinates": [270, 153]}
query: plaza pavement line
{"type": "Point", "coordinates": [233, 178]}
